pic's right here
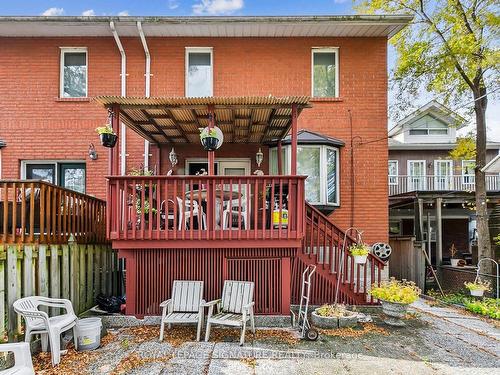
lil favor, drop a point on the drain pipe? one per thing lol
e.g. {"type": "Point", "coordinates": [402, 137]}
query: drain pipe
{"type": "Point", "coordinates": [123, 74]}
{"type": "Point", "coordinates": [147, 85]}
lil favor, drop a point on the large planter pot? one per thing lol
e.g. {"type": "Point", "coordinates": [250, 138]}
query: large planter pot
{"type": "Point", "coordinates": [210, 143]}
{"type": "Point", "coordinates": [454, 262]}
{"type": "Point", "coordinates": [360, 259]}
{"type": "Point", "coordinates": [394, 312]}
{"type": "Point", "coordinates": [108, 140]}
{"type": "Point", "coordinates": [477, 292]}
{"type": "Point", "coordinates": [333, 322]}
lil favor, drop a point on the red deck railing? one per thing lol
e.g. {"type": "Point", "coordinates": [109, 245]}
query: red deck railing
{"type": "Point", "coordinates": [36, 211]}
{"type": "Point", "coordinates": [205, 207]}
{"type": "Point", "coordinates": [322, 246]}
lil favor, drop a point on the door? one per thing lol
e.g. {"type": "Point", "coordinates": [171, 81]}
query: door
{"type": "Point", "coordinates": [416, 175]}
{"type": "Point", "coordinates": [443, 175]}
{"type": "Point", "coordinates": [72, 176]}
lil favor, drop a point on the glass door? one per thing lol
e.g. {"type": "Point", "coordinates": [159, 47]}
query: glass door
{"type": "Point", "coordinates": [416, 175]}
{"type": "Point", "coordinates": [443, 175]}
{"type": "Point", "coordinates": [72, 176]}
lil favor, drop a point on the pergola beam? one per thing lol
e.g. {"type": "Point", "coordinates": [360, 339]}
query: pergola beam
{"type": "Point", "coordinates": [155, 124]}
{"type": "Point", "coordinates": [176, 124]}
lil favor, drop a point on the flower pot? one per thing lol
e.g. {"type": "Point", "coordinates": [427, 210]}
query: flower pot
{"type": "Point", "coordinates": [476, 292]}
{"type": "Point", "coordinates": [395, 312]}
{"type": "Point", "coordinates": [334, 322]}
{"type": "Point", "coordinates": [210, 143]}
{"type": "Point", "coordinates": [454, 262]}
{"type": "Point", "coordinates": [360, 259]}
{"type": "Point", "coordinates": [108, 139]}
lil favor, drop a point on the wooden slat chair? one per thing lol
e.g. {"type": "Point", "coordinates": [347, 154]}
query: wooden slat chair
{"type": "Point", "coordinates": [185, 305]}
{"type": "Point", "coordinates": [235, 308]}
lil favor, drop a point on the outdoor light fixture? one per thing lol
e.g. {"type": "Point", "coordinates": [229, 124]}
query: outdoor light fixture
{"type": "Point", "coordinates": [259, 157]}
{"type": "Point", "coordinates": [172, 156]}
{"type": "Point", "coordinates": [92, 152]}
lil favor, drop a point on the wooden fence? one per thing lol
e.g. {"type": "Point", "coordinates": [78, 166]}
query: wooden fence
{"type": "Point", "coordinates": [407, 260]}
{"type": "Point", "coordinates": [78, 272]}
{"type": "Point", "coordinates": [36, 211]}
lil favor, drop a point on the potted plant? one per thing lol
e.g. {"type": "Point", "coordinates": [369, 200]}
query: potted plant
{"type": "Point", "coordinates": [107, 135]}
{"type": "Point", "coordinates": [478, 287]}
{"type": "Point", "coordinates": [395, 296]}
{"type": "Point", "coordinates": [360, 252]}
{"type": "Point", "coordinates": [209, 139]}
{"type": "Point", "coordinates": [453, 253]}
{"type": "Point", "coordinates": [142, 171]}
{"type": "Point", "coordinates": [334, 316]}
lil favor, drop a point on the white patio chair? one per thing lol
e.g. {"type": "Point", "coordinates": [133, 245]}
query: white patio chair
{"type": "Point", "coordinates": [185, 306]}
{"type": "Point", "coordinates": [232, 212]}
{"type": "Point", "coordinates": [235, 308]}
{"type": "Point", "coordinates": [49, 328]}
{"type": "Point", "coordinates": [22, 359]}
{"type": "Point", "coordinates": [186, 211]}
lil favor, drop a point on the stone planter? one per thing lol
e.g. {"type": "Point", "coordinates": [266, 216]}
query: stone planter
{"type": "Point", "coordinates": [454, 262]}
{"type": "Point", "coordinates": [394, 312]}
{"type": "Point", "coordinates": [476, 292]}
{"type": "Point", "coordinates": [333, 322]}
{"type": "Point", "coordinates": [360, 259]}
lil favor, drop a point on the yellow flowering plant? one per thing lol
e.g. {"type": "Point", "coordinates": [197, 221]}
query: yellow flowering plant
{"type": "Point", "coordinates": [359, 249]}
{"type": "Point", "coordinates": [478, 285]}
{"type": "Point", "coordinates": [393, 290]}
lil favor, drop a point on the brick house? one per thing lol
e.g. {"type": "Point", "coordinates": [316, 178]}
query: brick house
{"type": "Point", "coordinates": [256, 78]}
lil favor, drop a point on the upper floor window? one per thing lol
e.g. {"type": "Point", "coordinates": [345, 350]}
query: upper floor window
{"type": "Point", "coordinates": [73, 73]}
{"type": "Point", "coordinates": [325, 77]}
{"type": "Point", "coordinates": [428, 126]}
{"type": "Point", "coordinates": [393, 172]}
{"type": "Point", "coordinates": [199, 71]}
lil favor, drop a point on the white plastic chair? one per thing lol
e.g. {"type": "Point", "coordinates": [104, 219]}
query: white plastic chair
{"type": "Point", "coordinates": [185, 305]}
{"type": "Point", "coordinates": [22, 359]}
{"type": "Point", "coordinates": [235, 308]}
{"type": "Point", "coordinates": [186, 211]}
{"type": "Point", "coordinates": [49, 328]}
{"type": "Point", "coordinates": [233, 211]}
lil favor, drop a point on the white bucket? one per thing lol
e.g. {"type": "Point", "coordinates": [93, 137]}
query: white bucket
{"type": "Point", "coordinates": [88, 333]}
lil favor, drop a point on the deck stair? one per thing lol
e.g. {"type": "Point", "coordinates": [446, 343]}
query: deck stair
{"type": "Point", "coordinates": [322, 246]}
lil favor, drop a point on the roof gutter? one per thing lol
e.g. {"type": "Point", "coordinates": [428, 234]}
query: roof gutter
{"type": "Point", "coordinates": [123, 75]}
{"type": "Point", "coordinates": [147, 93]}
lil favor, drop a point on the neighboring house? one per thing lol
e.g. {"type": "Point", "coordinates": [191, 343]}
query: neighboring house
{"type": "Point", "coordinates": [163, 78]}
{"type": "Point", "coordinates": [421, 171]}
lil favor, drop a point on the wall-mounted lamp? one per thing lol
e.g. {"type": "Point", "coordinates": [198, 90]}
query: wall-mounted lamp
{"type": "Point", "coordinates": [92, 152]}
{"type": "Point", "coordinates": [172, 156]}
{"type": "Point", "coordinates": [259, 157]}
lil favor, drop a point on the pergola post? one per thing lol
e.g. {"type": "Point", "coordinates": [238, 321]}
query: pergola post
{"type": "Point", "coordinates": [294, 141]}
{"type": "Point", "coordinates": [280, 162]}
{"type": "Point", "coordinates": [211, 154]}
{"type": "Point", "coordinates": [114, 153]}
{"type": "Point", "coordinates": [439, 232]}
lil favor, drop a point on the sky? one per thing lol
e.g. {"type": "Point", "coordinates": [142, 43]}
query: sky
{"type": "Point", "coordinates": [213, 8]}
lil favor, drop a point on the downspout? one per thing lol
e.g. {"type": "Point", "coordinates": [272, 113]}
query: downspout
{"type": "Point", "coordinates": [147, 85]}
{"type": "Point", "coordinates": [123, 74]}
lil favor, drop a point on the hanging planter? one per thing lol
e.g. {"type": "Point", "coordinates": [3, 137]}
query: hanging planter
{"type": "Point", "coordinates": [107, 135]}
{"type": "Point", "coordinates": [211, 138]}
{"type": "Point", "coordinates": [359, 252]}
{"type": "Point", "coordinates": [478, 287]}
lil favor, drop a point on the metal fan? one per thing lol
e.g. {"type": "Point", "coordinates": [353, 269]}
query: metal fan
{"type": "Point", "coordinates": [382, 250]}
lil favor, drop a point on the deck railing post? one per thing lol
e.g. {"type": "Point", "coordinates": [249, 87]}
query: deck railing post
{"type": "Point", "coordinates": [294, 141]}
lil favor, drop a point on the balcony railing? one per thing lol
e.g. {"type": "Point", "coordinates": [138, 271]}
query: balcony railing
{"type": "Point", "coordinates": [405, 184]}
{"type": "Point", "coordinates": [205, 207]}
{"type": "Point", "coordinates": [36, 211]}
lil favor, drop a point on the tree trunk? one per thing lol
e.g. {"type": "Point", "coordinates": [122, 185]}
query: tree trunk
{"type": "Point", "coordinates": [483, 232]}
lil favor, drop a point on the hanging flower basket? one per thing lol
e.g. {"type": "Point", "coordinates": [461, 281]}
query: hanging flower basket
{"type": "Point", "coordinates": [478, 287]}
{"type": "Point", "coordinates": [107, 135]}
{"type": "Point", "coordinates": [360, 252]}
{"type": "Point", "coordinates": [211, 138]}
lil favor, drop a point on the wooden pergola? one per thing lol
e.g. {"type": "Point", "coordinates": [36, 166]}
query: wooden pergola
{"type": "Point", "coordinates": [177, 120]}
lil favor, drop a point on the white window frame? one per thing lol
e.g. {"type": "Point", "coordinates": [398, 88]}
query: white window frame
{"type": "Point", "coordinates": [424, 176]}
{"type": "Point", "coordinates": [395, 181]}
{"type": "Point", "coordinates": [186, 66]}
{"type": "Point", "coordinates": [65, 50]}
{"type": "Point", "coordinates": [325, 50]}
{"type": "Point", "coordinates": [437, 176]}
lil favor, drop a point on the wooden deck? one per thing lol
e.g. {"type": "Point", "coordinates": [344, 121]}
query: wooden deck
{"type": "Point", "coordinates": [146, 211]}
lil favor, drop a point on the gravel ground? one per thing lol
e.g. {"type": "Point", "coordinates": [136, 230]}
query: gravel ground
{"type": "Point", "coordinates": [434, 341]}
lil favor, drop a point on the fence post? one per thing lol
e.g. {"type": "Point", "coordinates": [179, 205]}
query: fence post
{"type": "Point", "coordinates": [65, 272]}
{"type": "Point", "coordinates": [55, 282]}
{"type": "Point", "coordinates": [74, 279]}
{"type": "Point", "coordinates": [82, 288]}
{"type": "Point", "coordinates": [97, 272]}
{"type": "Point", "coordinates": [12, 289]}
{"type": "Point", "coordinates": [28, 271]}
{"type": "Point", "coordinates": [90, 276]}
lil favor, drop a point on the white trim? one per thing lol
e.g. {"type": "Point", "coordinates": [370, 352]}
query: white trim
{"type": "Point", "coordinates": [334, 50]}
{"type": "Point", "coordinates": [186, 66]}
{"type": "Point", "coordinates": [437, 176]}
{"type": "Point", "coordinates": [65, 50]}
{"type": "Point", "coordinates": [397, 172]}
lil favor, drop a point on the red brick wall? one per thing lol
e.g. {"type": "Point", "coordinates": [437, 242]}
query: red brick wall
{"type": "Point", "coordinates": [36, 125]}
